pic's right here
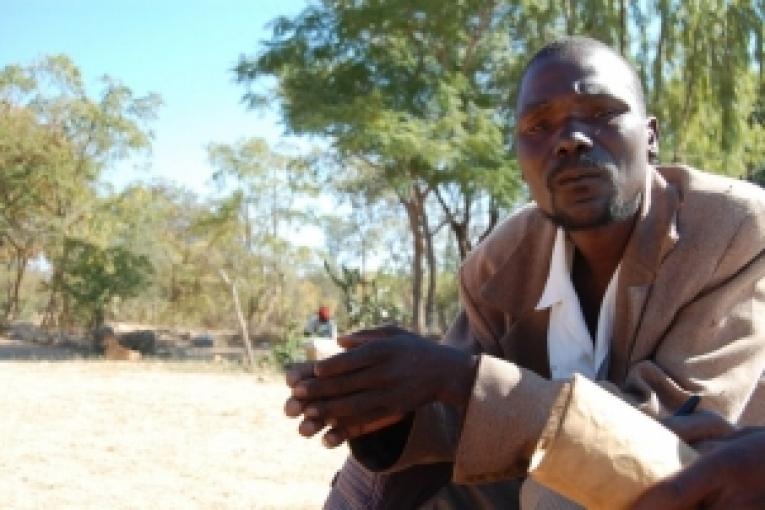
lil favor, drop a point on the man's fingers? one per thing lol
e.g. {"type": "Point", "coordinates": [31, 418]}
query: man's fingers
{"type": "Point", "coordinates": [309, 427]}
{"type": "Point", "coordinates": [294, 407]}
{"type": "Point", "coordinates": [685, 490]}
{"type": "Point", "coordinates": [356, 430]}
{"type": "Point", "coordinates": [349, 361]}
{"type": "Point", "coordinates": [351, 341]}
{"type": "Point", "coordinates": [357, 338]}
{"type": "Point", "coordinates": [362, 407]}
{"type": "Point", "coordinates": [363, 381]}
{"type": "Point", "coordinates": [664, 495]}
{"type": "Point", "coordinates": [699, 426]}
{"type": "Point", "coordinates": [299, 371]}
{"type": "Point", "coordinates": [339, 434]}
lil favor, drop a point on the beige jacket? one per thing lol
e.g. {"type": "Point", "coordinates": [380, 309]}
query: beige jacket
{"type": "Point", "coordinates": [690, 318]}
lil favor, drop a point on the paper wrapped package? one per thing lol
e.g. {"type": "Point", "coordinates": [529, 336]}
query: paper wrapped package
{"type": "Point", "coordinates": [317, 348]}
{"type": "Point", "coordinates": [601, 452]}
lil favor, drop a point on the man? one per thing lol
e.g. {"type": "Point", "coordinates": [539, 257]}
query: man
{"type": "Point", "coordinates": [321, 324]}
{"type": "Point", "coordinates": [650, 280]}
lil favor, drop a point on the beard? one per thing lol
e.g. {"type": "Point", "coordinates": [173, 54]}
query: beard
{"type": "Point", "coordinates": [616, 209]}
{"type": "Point", "coordinates": [622, 200]}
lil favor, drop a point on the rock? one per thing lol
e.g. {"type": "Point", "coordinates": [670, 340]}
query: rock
{"type": "Point", "coordinates": [143, 341]}
{"type": "Point", "coordinates": [24, 331]}
{"type": "Point", "coordinates": [99, 338]}
{"type": "Point", "coordinates": [202, 341]}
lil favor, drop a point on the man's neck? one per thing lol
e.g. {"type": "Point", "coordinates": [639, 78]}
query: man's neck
{"type": "Point", "coordinates": [597, 255]}
{"type": "Point", "coordinates": [602, 248]}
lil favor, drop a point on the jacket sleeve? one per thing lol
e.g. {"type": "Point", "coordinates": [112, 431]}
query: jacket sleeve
{"type": "Point", "coordinates": [505, 415]}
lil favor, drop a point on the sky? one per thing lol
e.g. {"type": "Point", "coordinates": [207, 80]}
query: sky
{"type": "Point", "coordinates": [181, 49]}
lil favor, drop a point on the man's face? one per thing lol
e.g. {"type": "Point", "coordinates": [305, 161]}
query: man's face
{"type": "Point", "coordinates": [582, 139]}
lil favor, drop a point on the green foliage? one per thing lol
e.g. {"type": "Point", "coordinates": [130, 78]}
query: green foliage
{"type": "Point", "coordinates": [758, 176]}
{"type": "Point", "coordinates": [414, 89]}
{"type": "Point", "coordinates": [704, 79]}
{"type": "Point", "coordinates": [366, 302]}
{"type": "Point", "coordinates": [247, 231]}
{"type": "Point", "coordinates": [55, 141]}
{"type": "Point", "coordinates": [94, 276]}
{"type": "Point", "coordinates": [421, 88]}
{"type": "Point", "coordinates": [288, 352]}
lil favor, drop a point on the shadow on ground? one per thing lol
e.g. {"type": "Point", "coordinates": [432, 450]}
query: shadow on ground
{"type": "Point", "coordinates": [25, 341]}
{"type": "Point", "coordinates": [11, 349]}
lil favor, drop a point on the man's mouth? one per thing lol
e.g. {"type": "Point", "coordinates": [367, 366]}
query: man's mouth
{"type": "Point", "coordinates": [575, 175]}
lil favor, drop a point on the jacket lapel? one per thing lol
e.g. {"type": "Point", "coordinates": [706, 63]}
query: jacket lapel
{"type": "Point", "coordinates": [525, 342]}
{"type": "Point", "coordinates": [654, 236]}
{"type": "Point", "coordinates": [524, 334]}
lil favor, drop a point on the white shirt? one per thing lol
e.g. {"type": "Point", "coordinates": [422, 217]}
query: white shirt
{"type": "Point", "coordinates": [570, 347]}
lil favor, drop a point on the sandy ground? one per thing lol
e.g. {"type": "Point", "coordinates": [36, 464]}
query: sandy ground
{"type": "Point", "coordinates": [84, 435]}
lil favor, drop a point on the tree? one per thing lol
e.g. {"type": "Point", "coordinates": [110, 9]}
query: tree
{"type": "Point", "coordinates": [703, 81]}
{"type": "Point", "coordinates": [31, 154]}
{"type": "Point", "coordinates": [95, 132]}
{"type": "Point", "coordinates": [93, 276]}
{"type": "Point", "coordinates": [407, 89]}
{"type": "Point", "coordinates": [261, 197]}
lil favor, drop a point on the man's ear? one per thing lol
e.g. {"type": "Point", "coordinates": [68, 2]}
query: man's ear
{"type": "Point", "coordinates": [653, 140]}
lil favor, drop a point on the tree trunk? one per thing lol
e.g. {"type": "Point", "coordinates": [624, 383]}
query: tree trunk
{"type": "Point", "coordinates": [16, 265]}
{"type": "Point", "coordinates": [623, 27]}
{"type": "Point", "coordinates": [493, 219]}
{"type": "Point", "coordinates": [414, 206]}
{"type": "Point", "coordinates": [571, 18]}
{"type": "Point", "coordinates": [460, 228]}
{"type": "Point", "coordinates": [22, 259]}
{"type": "Point", "coordinates": [430, 256]}
{"type": "Point", "coordinates": [658, 63]}
{"type": "Point", "coordinates": [8, 294]}
{"type": "Point", "coordinates": [240, 317]}
{"type": "Point", "coordinates": [52, 317]}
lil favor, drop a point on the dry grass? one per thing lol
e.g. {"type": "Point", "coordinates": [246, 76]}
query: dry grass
{"type": "Point", "coordinates": [110, 435]}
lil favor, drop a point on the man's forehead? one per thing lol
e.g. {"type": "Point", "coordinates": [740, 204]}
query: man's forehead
{"type": "Point", "coordinates": [595, 73]}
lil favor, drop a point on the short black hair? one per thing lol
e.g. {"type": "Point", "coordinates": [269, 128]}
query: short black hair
{"type": "Point", "coordinates": [571, 46]}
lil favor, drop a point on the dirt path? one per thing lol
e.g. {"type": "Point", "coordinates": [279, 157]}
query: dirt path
{"type": "Point", "coordinates": [97, 435]}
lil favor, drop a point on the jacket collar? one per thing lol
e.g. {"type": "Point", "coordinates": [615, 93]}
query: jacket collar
{"type": "Point", "coordinates": [655, 234]}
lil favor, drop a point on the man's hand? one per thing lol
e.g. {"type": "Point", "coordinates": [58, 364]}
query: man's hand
{"type": "Point", "coordinates": [731, 475]}
{"type": "Point", "coordinates": [385, 374]}
{"type": "Point", "coordinates": [701, 429]}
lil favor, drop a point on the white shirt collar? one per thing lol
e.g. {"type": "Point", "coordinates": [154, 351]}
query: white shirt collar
{"type": "Point", "coordinates": [558, 286]}
{"type": "Point", "coordinates": [570, 346]}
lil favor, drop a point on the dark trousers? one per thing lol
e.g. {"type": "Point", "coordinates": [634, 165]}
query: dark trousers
{"type": "Point", "coordinates": [426, 487]}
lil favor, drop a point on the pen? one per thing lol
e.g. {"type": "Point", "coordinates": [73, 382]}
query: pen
{"type": "Point", "coordinates": [688, 406]}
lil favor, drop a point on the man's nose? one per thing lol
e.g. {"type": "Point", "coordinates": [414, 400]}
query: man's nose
{"type": "Point", "coordinates": [573, 141]}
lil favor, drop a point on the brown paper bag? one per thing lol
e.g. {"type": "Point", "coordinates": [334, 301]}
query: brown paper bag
{"type": "Point", "coordinates": [601, 452]}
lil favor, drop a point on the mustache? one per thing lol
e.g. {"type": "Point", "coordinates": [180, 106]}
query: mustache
{"type": "Point", "coordinates": [589, 163]}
